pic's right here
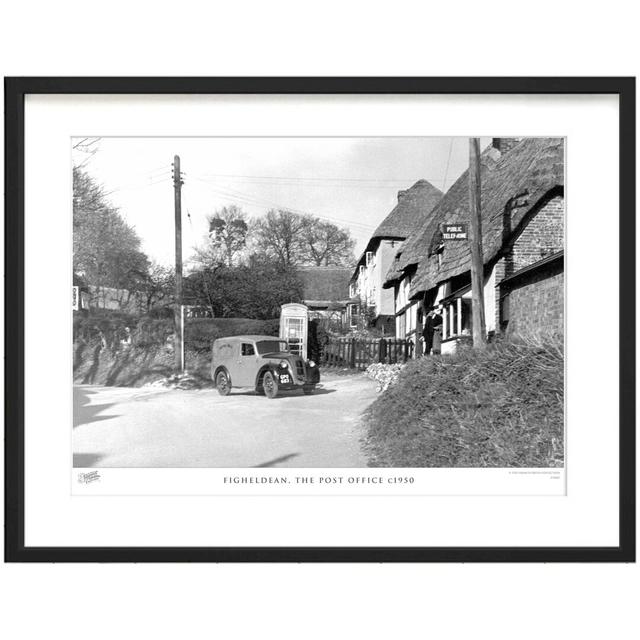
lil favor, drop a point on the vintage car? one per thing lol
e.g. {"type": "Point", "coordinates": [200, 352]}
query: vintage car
{"type": "Point", "coordinates": [263, 363]}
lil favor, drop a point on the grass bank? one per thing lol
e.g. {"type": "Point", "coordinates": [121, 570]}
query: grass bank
{"type": "Point", "coordinates": [116, 349]}
{"type": "Point", "coordinates": [501, 407]}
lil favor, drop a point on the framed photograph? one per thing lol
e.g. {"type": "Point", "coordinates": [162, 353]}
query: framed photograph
{"type": "Point", "coordinates": [320, 319]}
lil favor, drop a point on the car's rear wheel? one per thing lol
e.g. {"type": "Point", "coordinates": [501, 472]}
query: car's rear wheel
{"type": "Point", "coordinates": [308, 389]}
{"type": "Point", "coordinates": [270, 385]}
{"type": "Point", "coordinates": [223, 384]}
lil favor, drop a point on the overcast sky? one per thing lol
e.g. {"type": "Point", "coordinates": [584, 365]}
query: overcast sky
{"type": "Point", "coordinates": [352, 182]}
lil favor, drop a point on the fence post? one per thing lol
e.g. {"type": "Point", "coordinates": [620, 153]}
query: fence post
{"type": "Point", "coordinates": [352, 354]}
{"type": "Point", "coordinates": [381, 350]}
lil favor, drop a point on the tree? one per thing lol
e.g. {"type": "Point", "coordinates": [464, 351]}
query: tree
{"type": "Point", "coordinates": [302, 239]}
{"type": "Point", "coordinates": [228, 232]}
{"type": "Point", "coordinates": [158, 286]}
{"type": "Point", "coordinates": [278, 236]}
{"type": "Point", "coordinates": [106, 250]}
{"type": "Point", "coordinates": [326, 244]}
{"type": "Point", "coordinates": [253, 290]}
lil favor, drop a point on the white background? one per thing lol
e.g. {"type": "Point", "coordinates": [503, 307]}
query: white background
{"type": "Point", "coordinates": [586, 516]}
{"type": "Point", "coordinates": [320, 601]}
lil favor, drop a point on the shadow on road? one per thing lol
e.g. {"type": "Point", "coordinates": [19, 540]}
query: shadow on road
{"type": "Point", "coordinates": [285, 393]}
{"type": "Point", "coordinates": [86, 459]}
{"type": "Point", "coordinates": [276, 461]}
{"type": "Point", "coordinates": [85, 413]}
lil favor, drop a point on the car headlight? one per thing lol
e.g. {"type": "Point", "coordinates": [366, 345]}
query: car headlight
{"type": "Point", "coordinates": [312, 363]}
{"type": "Point", "coordinates": [283, 363]}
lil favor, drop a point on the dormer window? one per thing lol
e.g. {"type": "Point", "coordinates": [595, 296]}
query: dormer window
{"type": "Point", "coordinates": [369, 257]}
{"type": "Point", "coordinates": [439, 251]}
{"type": "Point", "coordinates": [362, 267]}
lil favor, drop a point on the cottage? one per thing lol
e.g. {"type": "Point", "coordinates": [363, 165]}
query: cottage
{"type": "Point", "coordinates": [366, 286]}
{"type": "Point", "coordinates": [522, 201]}
{"type": "Point", "coordinates": [325, 292]}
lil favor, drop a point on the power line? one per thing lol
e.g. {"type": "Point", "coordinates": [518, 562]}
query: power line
{"type": "Point", "coordinates": [446, 171]}
{"type": "Point", "coordinates": [307, 185]}
{"type": "Point", "coordinates": [388, 181]}
{"type": "Point", "coordinates": [138, 185]}
{"type": "Point", "coordinates": [239, 196]}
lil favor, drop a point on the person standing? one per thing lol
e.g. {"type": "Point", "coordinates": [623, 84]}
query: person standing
{"type": "Point", "coordinates": [432, 324]}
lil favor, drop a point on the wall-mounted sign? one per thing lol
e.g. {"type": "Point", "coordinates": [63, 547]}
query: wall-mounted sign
{"type": "Point", "coordinates": [76, 298]}
{"type": "Point", "coordinates": [454, 232]}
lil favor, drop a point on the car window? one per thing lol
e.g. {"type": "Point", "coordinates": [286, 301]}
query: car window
{"type": "Point", "coordinates": [247, 349]}
{"type": "Point", "coordinates": [271, 346]}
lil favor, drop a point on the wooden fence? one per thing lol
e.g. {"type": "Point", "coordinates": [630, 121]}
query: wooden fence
{"type": "Point", "coordinates": [357, 353]}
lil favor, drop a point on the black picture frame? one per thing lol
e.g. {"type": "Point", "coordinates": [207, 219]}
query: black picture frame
{"type": "Point", "coordinates": [15, 91]}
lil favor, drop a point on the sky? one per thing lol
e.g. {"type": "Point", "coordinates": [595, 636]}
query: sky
{"type": "Point", "coordinates": [352, 182]}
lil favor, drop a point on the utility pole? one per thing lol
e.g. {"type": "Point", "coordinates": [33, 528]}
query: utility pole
{"type": "Point", "coordinates": [475, 239]}
{"type": "Point", "coordinates": [178, 317]}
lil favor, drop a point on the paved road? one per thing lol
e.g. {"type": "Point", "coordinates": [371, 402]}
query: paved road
{"type": "Point", "coordinates": [150, 427]}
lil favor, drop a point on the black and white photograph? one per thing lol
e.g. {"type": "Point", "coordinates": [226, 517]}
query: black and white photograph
{"type": "Point", "coordinates": [318, 302]}
{"type": "Point", "coordinates": [321, 320]}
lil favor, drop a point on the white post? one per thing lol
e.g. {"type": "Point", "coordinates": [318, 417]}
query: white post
{"type": "Point", "coordinates": [182, 341]}
{"type": "Point", "coordinates": [451, 328]}
{"type": "Point", "coordinates": [459, 301]}
{"type": "Point", "coordinates": [444, 322]}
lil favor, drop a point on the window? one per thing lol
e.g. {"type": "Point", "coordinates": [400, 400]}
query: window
{"type": "Point", "coordinates": [457, 316]}
{"type": "Point", "coordinates": [369, 257]}
{"type": "Point", "coordinates": [247, 349]}
{"type": "Point", "coordinates": [410, 322]}
{"type": "Point", "coordinates": [439, 250]}
{"type": "Point", "coordinates": [353, 315]}
{"type": "Point", "coordinates": [401, 326]}
{"type": "Point", "coordinates": [361, 269]}
{"type": "Point", "coordinates": [271, 346]}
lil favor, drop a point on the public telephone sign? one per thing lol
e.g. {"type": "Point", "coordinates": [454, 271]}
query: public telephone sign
{"type": "Point", "coordinates": [454, 232]}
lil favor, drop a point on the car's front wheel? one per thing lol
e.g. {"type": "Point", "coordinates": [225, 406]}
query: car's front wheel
{"type": "Point", "coordinates": [308, 389]}
{"type": "Point", "coordinates": [270, 385]}
{"type": "Point", "coordinates": [223, 384]}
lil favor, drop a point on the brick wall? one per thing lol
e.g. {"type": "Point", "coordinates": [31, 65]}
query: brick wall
{"type": "Point", "coordinates": [536, 305]}
{"type": "Point", "coordinates": [543, 236]}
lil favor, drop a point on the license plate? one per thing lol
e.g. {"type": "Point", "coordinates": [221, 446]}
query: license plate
{"type": "Point", "coordinates": [285, 379]}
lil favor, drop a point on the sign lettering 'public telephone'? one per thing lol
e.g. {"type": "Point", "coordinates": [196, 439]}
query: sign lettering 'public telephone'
{"type": "Point", "coordinates": [454, 232]}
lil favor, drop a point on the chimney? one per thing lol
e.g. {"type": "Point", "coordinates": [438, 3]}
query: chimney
{"type": "Point", "coordinates": [504, 145]}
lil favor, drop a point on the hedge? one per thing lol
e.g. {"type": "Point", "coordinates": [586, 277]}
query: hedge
{"type": "Point", "coordinates": [112, 327]}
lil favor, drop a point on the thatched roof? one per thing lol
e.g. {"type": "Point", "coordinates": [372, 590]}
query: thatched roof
{"type": "Point", "coordinates": [325, 283]}
{"type": "Point", "coordinates": [414, 204]}
{"type": "Point", "coordinates": [414, 249]}
{"type": "Point", "coordinates": [518, 179]}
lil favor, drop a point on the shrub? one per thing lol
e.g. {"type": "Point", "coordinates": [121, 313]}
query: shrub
{"type": "Point", "coordinates": [111, 327]}
{"type": "Point", "coordinates": [500, 407]}
{"type": "Point", "coordinates": [163, 311]}
{"type": "Point", "coordinates": [103, 325]}
{"type": "Point", "coordinates": [201, 332]}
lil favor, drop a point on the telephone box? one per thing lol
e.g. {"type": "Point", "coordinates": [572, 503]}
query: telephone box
{"type": "Point", "coordinates": [294, 322]}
